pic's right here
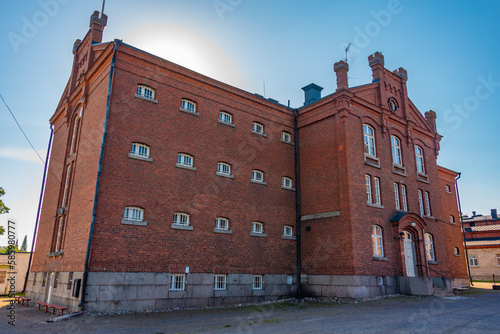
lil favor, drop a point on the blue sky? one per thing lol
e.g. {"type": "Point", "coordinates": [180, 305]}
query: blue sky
{"type": "Point", "coordinates": [449, 48]}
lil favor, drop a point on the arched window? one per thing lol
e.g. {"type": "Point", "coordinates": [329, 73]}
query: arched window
{"type": "Point", "coordinates": [377, 244]}
{"type": "Point", "coordinates": [184, 159]}
{"type": "Point", "coordinates": [419, 157]}
{"type": "Point", "coordinates": [257, 176]}
{"type": "Point", "coordinates": [429, 247]}
{"type": "Point", "coordinates": [140, 150]}
{"type": "Point", "coordinates": [188, 105]}
{"type": "Point", "coordinates": [222, 223]}
{"type": "Point", "coordinates": [133, 213]}
{"type": "Point", "coordinates": [396, 150]}
{"type": "Point", "coordinates": [74, 134]}
{"type": "Point", "coordinates": [225, 117]}
{"type": "Point", "coordinates": [369, 139]}
{"type": "Point", "coordinates": [181, 218]}
{"type": "Point", "coordinates": [223, 168]}
{"type": "Point", "coordinates": [145, 92]}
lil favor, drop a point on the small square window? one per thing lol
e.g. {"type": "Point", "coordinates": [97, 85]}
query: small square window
{"type": "Point", "coordinates": [257, 282]}
{"type": "Point", "coordinates": [185, 160]}
{"type": "Point", "coordinates": [146, 92]}
{"type": "Point", "coordinates": [287, 231]}
{"type": "Point", "coordinates": [286, 182]}
{"type": "Point", "coordinates": [258, 128]}
{"type": "Point", "coordinates": [286, 137]}
{"type": "Point", "coordinates": [224, 168]}
{"type": "Point", "coordinates": [181, 218]}
{"type": "Point", "coordinates": [133, 213]}
{"type": "Point", "coordinates": [177, 282]}
{"type": "Point", "coordinates": [257, 227]}
{"type": "Point", "coordinates": [188, 105]}
{"type": "Point", "coordinates": [225, 117]}
{"type": "Point", "coordinates": [257, 176]}
{"type": "Point", "coordinates": [220, 282]}
{"type": "Point", "coordinates": [222, 224]}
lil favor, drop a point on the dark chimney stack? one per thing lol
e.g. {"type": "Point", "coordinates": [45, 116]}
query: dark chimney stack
{"type": "Point", "coordinates": [494, 214]}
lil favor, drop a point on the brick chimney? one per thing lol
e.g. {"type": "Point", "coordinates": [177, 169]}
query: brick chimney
{"type": "Point", "coordinates": [312, 93]}
{"type": "Point", "coordinates": [341, 68]}
{"type": "Point", "coordinates": [97, 25]}
{"type": "Point", "coordinates": [494, 214]}
{"type": "Point", "coordinates": [430, 116]}
{"type": "Point", "coordinates": [376, 62]}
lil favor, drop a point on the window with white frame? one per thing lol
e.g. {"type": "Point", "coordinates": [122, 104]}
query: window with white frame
{"type": "Point", "coordinates": [225, 117]}
{"type": "Point", "coordinates": [258, 128]}
{"type": "Point", "coordinates": [220, 282]}
{"type": "Point", "coordinates": [287, 231]}
{"type": "Point", "coordinates": [429, 247]}
{"type": "Point", "coordinates": [377, 244]}
{"type": "Point", "coordinates": [403, 197]}
{"type": "Point", "coordinates": [223, 168]}
{"type": "Point", "coordinates": [177, 282]}
{"type": "Point", "coordinates": [257, 282]}
{"type": "Point", "coordinates": [421, 203]}
{"type": "Point", "coordinates": [146, 92]}
{"type": "Point", "coordinates": [286, 182]}
{"type": "Point", "coordinates": [140, 150]}
{"type": "Point", "coordinates": [181, 218]}
{"type": "Point", "coordinates": [368, 182]}
{"type": "Point", "coordinates": [419, 157]}
{"type": "Point", "coordinates": [185, 160]}
{"type": "Point", "coordinates": [378, 200]}
{"type": "Point", "coordinates": [286, 137]}
{"type": "Point", "coordinates": [427, 204]}
{"type": "Point", "coordinates": [369, 139]}
{"type": "Point", "coordinates": [257, 227]}
{"type": "Point", "coordinates": [396, 196]}
{"type": "Point", "coordinates": [133, 213]}
{"type": "Point", "coordinates": [396, 150]}
{"type": "Point", "coordinates": [222, 223]}
{"type": "Point", "coordinates": [257, 176]}
{"type": "Point", "coordinates": [188, 105]}
{"type": "Point", "coordinates": [498, 260]}
{"type": "Point", "coordinates": [473, 261]}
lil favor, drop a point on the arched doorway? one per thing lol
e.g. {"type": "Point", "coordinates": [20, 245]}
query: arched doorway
{"type": "Point", "coordinates": [409, 254]}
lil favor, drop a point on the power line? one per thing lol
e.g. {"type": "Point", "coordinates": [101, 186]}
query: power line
{"type": "Point", "coordinates": [20, 128]}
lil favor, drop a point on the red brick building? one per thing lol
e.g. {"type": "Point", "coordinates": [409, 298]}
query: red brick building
{"type": "Point", "coordinates": [167, 188]}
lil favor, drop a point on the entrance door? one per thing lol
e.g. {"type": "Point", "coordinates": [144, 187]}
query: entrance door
{"type": "Point", "coordinates": [409, 254]}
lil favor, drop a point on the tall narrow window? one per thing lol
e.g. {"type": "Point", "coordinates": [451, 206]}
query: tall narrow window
{"type": "Point", "coordinates": [396, 196]}
{"type": "Point", "coordinates": [427, 204]}
{"type": "Point", "coordinates": [378, 201]}
{"type": "Point", "coordinates": [66, 186]}
{"type": "Point", "coordinates": [368, 183]}
{"type": "Point", "coordinates": [369, 139]}
{"type": "Point", "coordinates": [420, 203]}
{"type": "Point", "coordinates": [396, 150]}
{"type": "Point", "coordinates": [257, 282]}
{"type": "Point", "coordinates": [403, 197]}
{"type": "Point", "coordinates": [419, 157]}
{"type": "Point", "coordinates": [498, 260]}
{"type": "Point", "coordinates": [429, 247]}
{"type": "Point", "coordinates": [74, 137]}
{"type": "Point", "coordinates": [377, 245]}
{"type": "Point", "coordinates": [60, 226]}
{"type": "Point", "coordinates": [452, 219]}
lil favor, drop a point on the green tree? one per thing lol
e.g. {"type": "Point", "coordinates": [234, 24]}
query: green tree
{"type": "Point", "coordinates": [3, 208]}
{"type": "Point", "coordinates": [6, 249]}
{"type": "Point", "coordinates": [24, 245]}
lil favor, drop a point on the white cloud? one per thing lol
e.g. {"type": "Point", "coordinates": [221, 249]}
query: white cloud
{"type": "Point", "coordinates": [22, 154]}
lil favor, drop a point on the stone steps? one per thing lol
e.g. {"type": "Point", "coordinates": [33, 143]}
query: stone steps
{"type": "Point", "coordinates": [438, 292]}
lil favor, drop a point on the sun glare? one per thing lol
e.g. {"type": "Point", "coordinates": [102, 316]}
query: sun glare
{"type": "Point", "coordinates": [189, 48]}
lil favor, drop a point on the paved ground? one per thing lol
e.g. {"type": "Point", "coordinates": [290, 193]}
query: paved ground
{"type": "Point", "coordinates": [475, 312]}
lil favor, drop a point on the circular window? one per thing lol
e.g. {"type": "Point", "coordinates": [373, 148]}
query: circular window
{"type": "Point", "coordinates": [393, 104]}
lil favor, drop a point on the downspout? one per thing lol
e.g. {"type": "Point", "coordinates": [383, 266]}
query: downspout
{"type": "Point", "coordinates": [297, 203]}
{"type": "Point", "coordinates": [96, 194]}
{"type": "Point", "coordinates": [39, 205]}
{"type": "Point", "coordinates": [463, 232]}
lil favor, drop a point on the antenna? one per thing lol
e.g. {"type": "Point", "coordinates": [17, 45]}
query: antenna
{"type": "Point", "coordinates": [104, 2]}
{"type": "Point", "coordinates": [264, 84]}
{"type": "Point", "coordinates": [347, 49]}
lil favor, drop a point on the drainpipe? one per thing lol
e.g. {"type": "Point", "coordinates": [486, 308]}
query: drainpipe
{"type": "Point", "coordinates": [39, 205]}
{"type": "Point", "coordinates": [463, 233]}
{"type": "Point", "coordinates": [297, 203]}
{"type": "Point", "coordinates": [96, 194]}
